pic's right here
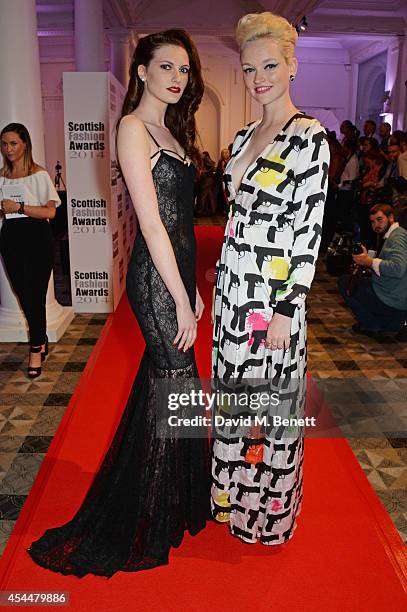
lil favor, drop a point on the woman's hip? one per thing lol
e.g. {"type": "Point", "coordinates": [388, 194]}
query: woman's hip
{"type": "Point", "coordinates": [26, 234]}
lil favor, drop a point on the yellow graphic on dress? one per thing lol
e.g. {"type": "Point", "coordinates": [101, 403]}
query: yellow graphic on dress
{"type": "Point", "coordinates": [223, 501]}
{"type": "Point", "coordinates": [271, 174]}
{"type": "Point", "coordinates": [277, 269]}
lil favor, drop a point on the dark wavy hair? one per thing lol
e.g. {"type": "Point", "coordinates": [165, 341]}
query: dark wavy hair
{"type": "Point", "coordinates": [179, 117]}
{"type": "Point", "coordinates": [21, 130]}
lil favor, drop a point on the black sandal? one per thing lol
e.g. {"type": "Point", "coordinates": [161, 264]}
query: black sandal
{"type": "Point", "coordinates": [34, 372]}
{"type": "Point", "coordinates": [45, 353]}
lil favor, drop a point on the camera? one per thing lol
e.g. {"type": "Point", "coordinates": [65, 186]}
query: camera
{"type": "Point", "coordinates": [357, 248]}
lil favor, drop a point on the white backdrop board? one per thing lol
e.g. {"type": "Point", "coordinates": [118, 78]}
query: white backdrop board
{"type": "Point", "coordinates": [101, 220]}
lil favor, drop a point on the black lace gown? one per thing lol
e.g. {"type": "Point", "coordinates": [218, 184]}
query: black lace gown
{"type": "Point", "coordinates": [149, 489]}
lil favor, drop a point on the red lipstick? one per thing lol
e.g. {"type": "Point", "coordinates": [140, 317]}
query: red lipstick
{"type": "Point", "coordinates": [262, 89]}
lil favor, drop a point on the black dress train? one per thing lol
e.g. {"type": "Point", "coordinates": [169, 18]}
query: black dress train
{"type": "Point", "coordinates": [149, 489]}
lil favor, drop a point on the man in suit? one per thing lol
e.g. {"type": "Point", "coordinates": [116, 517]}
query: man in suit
{"type": "Point", "coordinates": [369, 129]}
{"type": "Point", "coordinates": [379, 302]}
{"type": "Point", "coordinates": [384, 133]}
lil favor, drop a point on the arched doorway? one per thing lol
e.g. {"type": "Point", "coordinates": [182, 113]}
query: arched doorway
{"type": "Point", "coordinates": [376, 97]}
{"type": "Point", "coordinates": [371, 86]}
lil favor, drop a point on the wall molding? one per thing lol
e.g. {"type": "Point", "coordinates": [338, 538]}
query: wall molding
{"type": "Point", "coordinates": [374, 48]}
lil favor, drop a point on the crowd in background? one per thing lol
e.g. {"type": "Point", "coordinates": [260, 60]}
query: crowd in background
{"type": "Point", "coordinates": [366, 202]}
{"type": "Point", "coordinates": [364, 171]}
{"type": "Point", "coordinates": [366, 208]}
{"type": "Point", "coordinates": [210, 192]}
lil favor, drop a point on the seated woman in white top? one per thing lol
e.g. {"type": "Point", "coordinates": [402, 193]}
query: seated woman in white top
{"type": "Point", "coordinates": [25, 236]}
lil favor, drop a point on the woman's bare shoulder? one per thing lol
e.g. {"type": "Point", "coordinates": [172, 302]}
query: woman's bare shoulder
{"type": "Point", "coordinates": [133, 123]}
{"type": "Point", "coordinates": [132, 136]}
{"type": "Point", "coordinates": [38, 168]}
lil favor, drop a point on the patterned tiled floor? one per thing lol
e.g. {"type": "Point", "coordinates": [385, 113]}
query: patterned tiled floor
{"type": "Point", "coordinates": [335, 352]}
{"type": "Point", "coordinates": [31, 410]}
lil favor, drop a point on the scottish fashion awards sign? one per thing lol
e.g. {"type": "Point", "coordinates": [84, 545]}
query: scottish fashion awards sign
{"type": "Point", "coordinates": [101, 220]}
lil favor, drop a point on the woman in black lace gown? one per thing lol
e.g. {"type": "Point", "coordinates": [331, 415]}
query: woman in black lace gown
{"type": "Point", "coordinates": [150, 488]}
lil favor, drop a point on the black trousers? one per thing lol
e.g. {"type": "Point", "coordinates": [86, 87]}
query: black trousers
{"type": "Point", "coordinates": [371, 313]}
{"type": "Point", "coordinates": [27, 249]}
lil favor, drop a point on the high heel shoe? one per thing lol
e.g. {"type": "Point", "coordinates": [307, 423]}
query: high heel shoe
{"type": "Point", "coordinates": [32, 371]}
{"type": "Point", "coordinates": [45, 353]}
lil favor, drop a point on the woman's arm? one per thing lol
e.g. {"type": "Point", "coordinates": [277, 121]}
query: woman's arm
{"type": "Point", "coordinates": [44, 211]}
{"type": "Point", "coordinates": [334, 171]}
{"type": "Point", "coordinates": [43, 192]}
{"type": "Point", "coordinates": [307, 223]}
{"type": "Point", "coordinates": [133, 150]}
{"type": "Point", "coordinates": [307, 236]}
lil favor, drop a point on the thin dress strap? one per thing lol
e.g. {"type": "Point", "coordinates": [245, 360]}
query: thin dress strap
{"type": "Point", "coordinates": [161, 149]}
{"type": "Point", "coordinates": [175, 153]}
{"type": "Point", "coordinates": [154, 141]}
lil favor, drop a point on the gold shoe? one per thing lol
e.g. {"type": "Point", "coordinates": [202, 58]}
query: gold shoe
{"type": "Point", "coordinates": [222, 517]}
{"type": "Point", "coordinates": [222, 500]}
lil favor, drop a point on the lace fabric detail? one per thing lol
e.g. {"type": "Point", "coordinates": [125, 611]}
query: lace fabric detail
{"type": "Point", "coordinates": [148, 295]}
{"type": "Point", "coordinates": [148, 489]}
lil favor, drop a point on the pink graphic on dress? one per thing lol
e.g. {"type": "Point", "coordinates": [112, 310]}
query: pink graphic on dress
{"type": "Point", "coordinates": [257, 321]}
{"type": "Point", "coordinates": [276, 505]}
{"type": "Point", "coordinates": [231, 230]}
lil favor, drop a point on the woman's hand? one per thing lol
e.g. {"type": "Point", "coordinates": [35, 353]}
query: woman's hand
{"type": "Point", "coordinates": [199, 306]}
{"type": "Point", "coordinates": [186, 335]}
{"type": "Point", "coordinates": [279, 332]}
{"type": "Point", "coordinates": [9, 206]}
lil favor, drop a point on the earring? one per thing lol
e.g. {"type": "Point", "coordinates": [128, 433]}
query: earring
{"type": "Point", "coordinates": [292, 77]}
{"type": "Point", "coordinates": [143, 79]}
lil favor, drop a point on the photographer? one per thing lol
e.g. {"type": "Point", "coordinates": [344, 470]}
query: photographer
{"type": "Point", "coordinates": [379, 302]}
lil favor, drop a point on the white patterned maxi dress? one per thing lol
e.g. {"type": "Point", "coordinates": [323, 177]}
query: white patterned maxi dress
{"type": "Point", "coordinates": [267, 265]}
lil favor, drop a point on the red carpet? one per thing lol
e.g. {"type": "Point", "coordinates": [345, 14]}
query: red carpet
{"type": "Point", "coordinates": [345, 555]}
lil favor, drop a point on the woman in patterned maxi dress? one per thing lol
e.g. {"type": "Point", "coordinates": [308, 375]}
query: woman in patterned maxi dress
{"type": "Point", "coordinates": [264, 273]}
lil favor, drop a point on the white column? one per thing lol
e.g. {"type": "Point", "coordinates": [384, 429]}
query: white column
{"type": "Point", "coordinates": [89, 36]}
{"type": "Point", "coordinates": [391, 85]}
{"type": "Point", "coordinates": [400, 87]}
{"type": "Point", "coordinates": [21, 102]}
{"type": "Point", "coordinates": [120, 54]}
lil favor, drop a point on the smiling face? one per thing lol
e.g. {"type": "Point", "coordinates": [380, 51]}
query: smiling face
{"type": "Point", "coordinates": [166, 76]}
{"type": "Point", "coordinates": [12, 147]}
{"type": "Point", "coordinates": [266, 72]}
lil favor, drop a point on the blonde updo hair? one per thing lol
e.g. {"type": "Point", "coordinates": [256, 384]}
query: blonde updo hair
{"type": "Point", "coordinates": [267, 25]}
